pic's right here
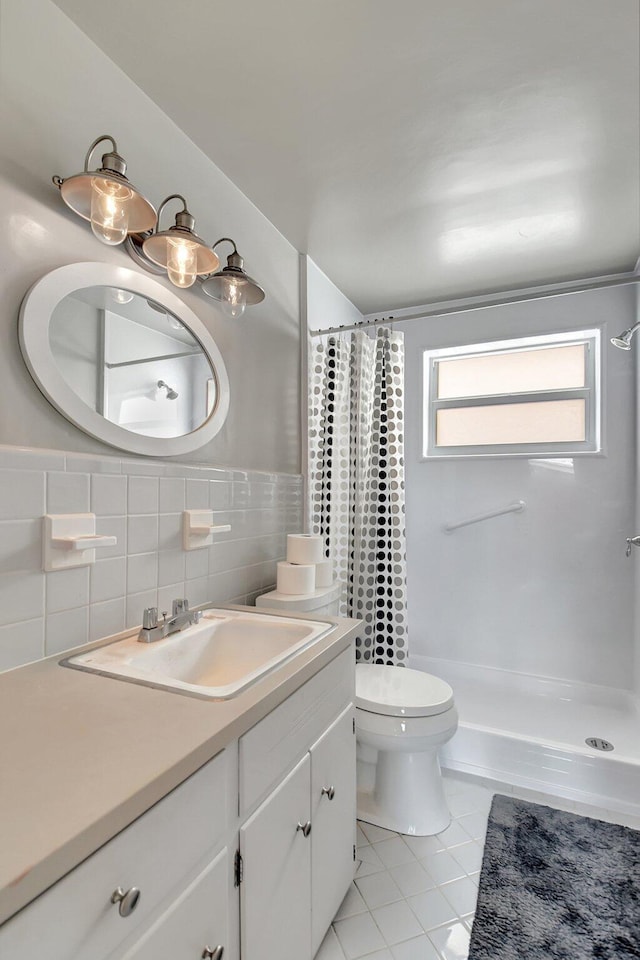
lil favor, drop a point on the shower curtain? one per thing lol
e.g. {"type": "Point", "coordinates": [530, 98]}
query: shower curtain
{"type": "Point", "coordinates": [356, 481]}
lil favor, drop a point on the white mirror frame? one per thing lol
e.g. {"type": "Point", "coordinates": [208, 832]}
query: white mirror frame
{"type": "Point", "coordinates": [35, 315]}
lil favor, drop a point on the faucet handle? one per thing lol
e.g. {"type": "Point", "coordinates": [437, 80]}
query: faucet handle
{"type": "Point", "coordinates": [150, 618]}
{"type": "Point", "coordinates": [179, 606]}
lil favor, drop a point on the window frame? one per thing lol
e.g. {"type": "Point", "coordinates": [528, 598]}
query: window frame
{"type": "Point", "coordinates": [591, 392]}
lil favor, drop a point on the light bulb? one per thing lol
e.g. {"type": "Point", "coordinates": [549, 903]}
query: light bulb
{"type": "Point", "coordinates": [234, 300]}
{"type": "Point", "coordinates": [122, 296]}
{"type": "Point", "coordinates": [109, 210]}
{"type": "Point", "coordinates": [182, 261]}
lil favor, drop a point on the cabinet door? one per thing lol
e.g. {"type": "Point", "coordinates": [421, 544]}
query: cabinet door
{"type": "Point", "coordinates": [275, 893]}
{"type": "Point", "coordinates": [333, 814]}
{"type": "Point", "coordinates": [199, 918]}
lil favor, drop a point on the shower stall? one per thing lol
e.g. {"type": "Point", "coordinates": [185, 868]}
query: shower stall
{"type": "Point", "coordinates": [520, 592]}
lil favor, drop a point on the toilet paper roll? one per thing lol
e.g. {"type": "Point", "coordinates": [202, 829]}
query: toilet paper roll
{"type": "Point", "coordinates": [296, 578]}
{"type": "Point", "coordinates": [304, 548]}
{"type": "Point", "coordinates": [324, 573]}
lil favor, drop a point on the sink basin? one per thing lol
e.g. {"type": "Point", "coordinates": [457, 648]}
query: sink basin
{"type": "Point", "coordinates": [217, 658]}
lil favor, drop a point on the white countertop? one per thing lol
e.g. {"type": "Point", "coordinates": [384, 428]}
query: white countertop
{"type": "Point", "coordinates": [82, 756]}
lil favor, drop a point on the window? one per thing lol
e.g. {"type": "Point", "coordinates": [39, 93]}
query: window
{"type": "Point", "coordinates": [537, 396]}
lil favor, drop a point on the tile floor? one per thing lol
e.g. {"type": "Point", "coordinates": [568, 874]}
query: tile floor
{"type": "Point", "coordinates": [413, 898]}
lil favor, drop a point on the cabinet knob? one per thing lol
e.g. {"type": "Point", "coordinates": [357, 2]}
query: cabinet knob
{"type": "Point", "coordinates": [329, 792]}
{"type": "Point", "coordinates": [305, 827]}
{"type": "Point", "coordinates": [127, 900]}
{"type": "Point", "coordinates": [215, 954]}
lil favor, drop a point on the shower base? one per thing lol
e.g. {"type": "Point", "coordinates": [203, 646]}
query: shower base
{"type": "Point", "coordinates": [531, 731]}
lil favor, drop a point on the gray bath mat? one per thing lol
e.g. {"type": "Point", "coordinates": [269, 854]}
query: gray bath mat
{"type": "Point", "coordinates": [556, 885]}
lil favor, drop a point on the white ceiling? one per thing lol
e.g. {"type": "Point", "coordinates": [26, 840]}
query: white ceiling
{"type": "Point", "coordinates": [417, 150]}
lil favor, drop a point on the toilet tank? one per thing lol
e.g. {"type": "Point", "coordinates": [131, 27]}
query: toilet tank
{"type": "Point", "coordinates": [322, 602]}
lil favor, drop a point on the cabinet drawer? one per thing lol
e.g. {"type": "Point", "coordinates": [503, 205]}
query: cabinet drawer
{"type": "Point", "coordinates": [273, 746]}
{"type": "Point", "coordinates": [76, 920]}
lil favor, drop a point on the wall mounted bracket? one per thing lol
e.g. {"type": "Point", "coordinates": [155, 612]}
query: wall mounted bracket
{"type": "Point", "coordinates": [198, 529]}
{"type": "Point", "coordinates": [70, 540]}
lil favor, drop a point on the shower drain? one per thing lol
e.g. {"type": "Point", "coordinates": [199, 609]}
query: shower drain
{"type": "Point", "coordinates": [598, 743]}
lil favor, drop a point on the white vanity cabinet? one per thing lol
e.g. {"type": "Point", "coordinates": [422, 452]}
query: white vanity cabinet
{"type": "Point", "coordinates": [158, 855]}
{"type": "Point", "coordinates": [297, 848]}
{"type": "Point", "coordinates": [248, 859]}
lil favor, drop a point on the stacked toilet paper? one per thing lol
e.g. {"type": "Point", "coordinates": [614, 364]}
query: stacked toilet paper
{"type": "Point", "coordinates": [305, 569]}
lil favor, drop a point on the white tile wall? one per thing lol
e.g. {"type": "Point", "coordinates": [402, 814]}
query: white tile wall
{"type": "Point", "coordinates": [140, 502]}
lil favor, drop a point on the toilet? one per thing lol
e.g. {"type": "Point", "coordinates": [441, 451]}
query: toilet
{"type": "Point", "coordinates": [403, 717]}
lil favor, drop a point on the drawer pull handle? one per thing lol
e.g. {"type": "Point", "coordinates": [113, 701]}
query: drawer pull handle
{"type": "Point", "coordinates": [305, 827]}
{"type": "Point", "coordinates": [215, 954]}
{"type": "Point", "coordinates": [329, 792]}
{"type": "Point", "coordinates": [127, 900]}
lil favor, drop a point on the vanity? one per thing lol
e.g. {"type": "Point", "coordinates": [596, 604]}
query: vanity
{"type": "Point", "coordinates": [143, 823]}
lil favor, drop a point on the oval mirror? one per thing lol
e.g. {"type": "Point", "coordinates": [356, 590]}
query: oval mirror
{"type": "Point", "coordinates": [124, 359]}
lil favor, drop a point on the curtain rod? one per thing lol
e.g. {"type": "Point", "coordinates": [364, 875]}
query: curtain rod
{"type": "Point", "coordinates": [479, 304]}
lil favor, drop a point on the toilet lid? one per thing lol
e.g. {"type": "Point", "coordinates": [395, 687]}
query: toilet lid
{"type": "Point", "coordinates": [400, 692]}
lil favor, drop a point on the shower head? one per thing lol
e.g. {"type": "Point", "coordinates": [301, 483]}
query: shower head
{"type": "Point", "coordinates": [171, 393]}
{"type": "Point", "coordinates": [623, 341]}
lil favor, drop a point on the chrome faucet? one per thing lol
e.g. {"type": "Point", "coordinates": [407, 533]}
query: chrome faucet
{"type": "Point", "coordinates": [632, 542]}
{"type": "Point", "coordinates": [181, 617]}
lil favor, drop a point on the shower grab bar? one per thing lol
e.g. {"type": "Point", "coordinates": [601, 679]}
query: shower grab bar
{"type": "Point", "coordinates": [516, 507]}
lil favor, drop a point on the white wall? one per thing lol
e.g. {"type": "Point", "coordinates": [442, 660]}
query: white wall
{"type": "Point", "coordinates": [548, 591]}
{"type": "Point", "coordinates": [326, 305]}
{"type": "Point", "coordinates": [59, 92]}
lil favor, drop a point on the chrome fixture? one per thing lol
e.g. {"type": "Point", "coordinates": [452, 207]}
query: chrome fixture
{"type": "Point", "coordinates": [171, 394]}
{"type": "Point", "coordinates": [215, 954]}
{"type": "Point", "coordinates": [516, 507]}
{"type": "Point", "coordinates": [624, 339]}
{"type": "Point", "coordinates": [118, 211]}
{"type": "Point", "coordinates": [127, 900]}
{"type": "Point", "coordinates": [106, 197]}
{"type": "Point", "coordinates": [181, 617]}
{"type": "Point", "coordinates": [599, 744]}
{"type": "Point", "coordinates": [179, 250]}
{"type": "Point", "coordinates": [231, 285]}
{"type": "Point", "coordinates": [632, 542]}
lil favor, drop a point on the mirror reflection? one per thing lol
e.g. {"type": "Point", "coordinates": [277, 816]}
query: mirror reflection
{"type": "Point", "coordinates": [132, 361]}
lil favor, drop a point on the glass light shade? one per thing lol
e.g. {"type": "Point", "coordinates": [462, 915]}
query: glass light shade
{"type": "Point", "coordinates": [233, 287]}
{"type": "Point", "coordinates": [182, 262]}
{"type": "Point", "coordinates": [78, 193]}
{"type": "Point", "coordinates": [235, 300]}
{"type": "Point", "coordinates": [110, 210]}
{"type": "Point", "coordinates": [182, 254]}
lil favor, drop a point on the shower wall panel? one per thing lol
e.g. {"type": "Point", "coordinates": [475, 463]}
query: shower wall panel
{"type": "Point", "coordinates": [547, 591]}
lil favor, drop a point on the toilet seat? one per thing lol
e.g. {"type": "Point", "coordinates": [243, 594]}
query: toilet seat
{"type": "Point", "coordinates": [400, 692]}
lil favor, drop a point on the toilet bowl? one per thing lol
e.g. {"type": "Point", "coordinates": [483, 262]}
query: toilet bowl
{"type": "Point", "coordinates": [402, 718]}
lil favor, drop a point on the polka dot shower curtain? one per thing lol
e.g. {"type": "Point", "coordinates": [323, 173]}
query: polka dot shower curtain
{"type": "Point", "coordinates": [356, 481]}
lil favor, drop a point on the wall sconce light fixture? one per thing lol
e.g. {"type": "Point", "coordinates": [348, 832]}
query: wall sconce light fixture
{"type": "Point", "coordinates": [118, 212]}
{"type": "Point", "coordinates": [107, 198]}
{"type": "Point", "coordinates": [231, 285]}
{"type": "Point", "coordinates": [179, 250]}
